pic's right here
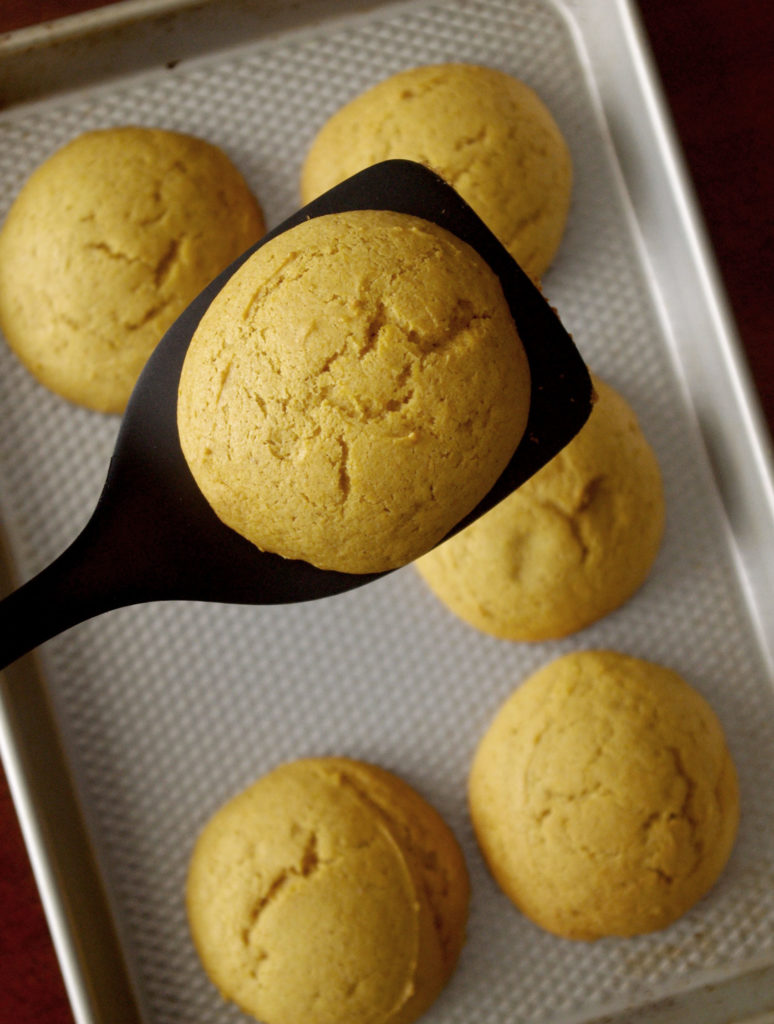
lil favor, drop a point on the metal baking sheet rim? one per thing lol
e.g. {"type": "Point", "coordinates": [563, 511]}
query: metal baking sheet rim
{"type": "Point", "coordinates": [82, 925]}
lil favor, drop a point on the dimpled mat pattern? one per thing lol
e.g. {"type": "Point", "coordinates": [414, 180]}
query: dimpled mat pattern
{"type": "Point", "coordinates": [167, 710]}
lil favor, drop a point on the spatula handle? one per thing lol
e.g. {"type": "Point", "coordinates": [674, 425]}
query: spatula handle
{"type": "Point", "coordinates": [84, 581]}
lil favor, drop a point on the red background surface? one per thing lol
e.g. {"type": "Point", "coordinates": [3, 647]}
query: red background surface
{"type": "Point", "coordinates": [716, 67]}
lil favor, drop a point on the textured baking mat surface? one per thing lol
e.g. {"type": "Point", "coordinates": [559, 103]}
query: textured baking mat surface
{"type": "Point", "coordinates": [169, 709]}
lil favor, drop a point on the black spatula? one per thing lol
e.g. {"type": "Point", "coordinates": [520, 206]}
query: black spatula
{"type": "Point", "coordinates": [153, 536]}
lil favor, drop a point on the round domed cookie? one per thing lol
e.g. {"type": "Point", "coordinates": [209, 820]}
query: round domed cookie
{"type": "Point", "coordinates": [328, 891]}
{"type": "Point", "coordinates": [569, 546]}
{"type": "Point", "coordinates": [353, 391]}
{"type": "Point", "coordinates": [488, 134]}
{"type": "Point", "coordinates": [604, 797]}
{"type": "Point", "coordinates": [105, 245]}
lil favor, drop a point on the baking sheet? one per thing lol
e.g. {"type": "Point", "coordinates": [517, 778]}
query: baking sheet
{"type": "Point", "coordinates": [166, 710]}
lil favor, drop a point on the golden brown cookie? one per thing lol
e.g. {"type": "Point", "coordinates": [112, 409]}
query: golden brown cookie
{"type": "Point", "coordinates": [354, 391]}
{"type": "Point", "coordinates": [569, 546]}
{"type": "Point", "coordinates": [328, 891]}
{"type": "Point", "coordinates": [486, 133]}
{"type": "Point", "coordinates": [106, 244]}
{"type": "Point", "coordinates": [604, 797]}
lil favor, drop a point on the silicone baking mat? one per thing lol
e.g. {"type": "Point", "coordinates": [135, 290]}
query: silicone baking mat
{"type": "Point", "coordinates": [169, 709]}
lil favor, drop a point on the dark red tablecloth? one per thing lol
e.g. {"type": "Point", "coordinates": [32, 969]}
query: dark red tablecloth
{"type": "Point", "coordinates": [715, 61]}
